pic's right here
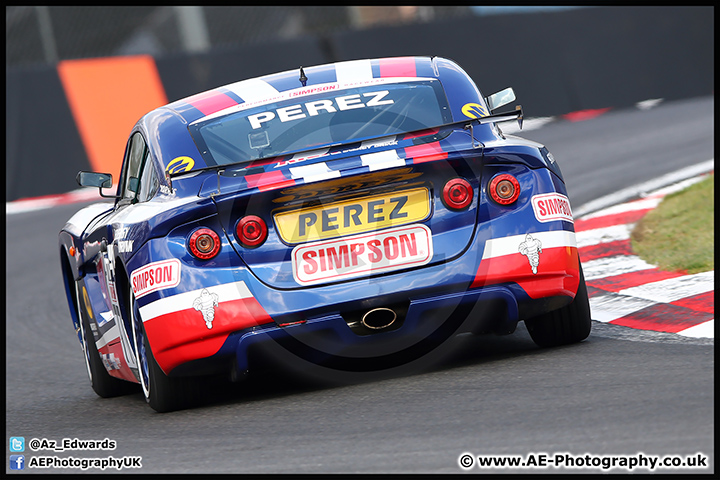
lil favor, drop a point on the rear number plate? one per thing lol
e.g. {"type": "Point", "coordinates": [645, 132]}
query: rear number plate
{"type": "Point", "coordinates": [353, 216]}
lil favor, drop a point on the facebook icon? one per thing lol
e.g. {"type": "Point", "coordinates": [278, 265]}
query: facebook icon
{"type": "Point", "coordinates": [17, 462]}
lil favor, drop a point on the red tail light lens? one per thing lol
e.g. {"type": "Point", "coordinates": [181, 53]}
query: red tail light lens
{"type": "Point", "coordinates": [251, 231]}
{"type": "Point", "coordinates": [457, 194]}
{"type": "Point", "coordinates": [504, 189]}
{"type": "Point", "coordinates": [204, 243]}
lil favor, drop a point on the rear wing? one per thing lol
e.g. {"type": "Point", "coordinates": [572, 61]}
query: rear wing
{"type": "Point", "coordinates": [466, 124]}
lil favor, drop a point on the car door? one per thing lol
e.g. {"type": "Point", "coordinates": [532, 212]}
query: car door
{"type": "Point", "coordinates": [109, 236]}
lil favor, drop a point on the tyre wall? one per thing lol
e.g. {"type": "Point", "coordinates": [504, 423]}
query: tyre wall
{"type": "Point", "coordinates": [77, 114]}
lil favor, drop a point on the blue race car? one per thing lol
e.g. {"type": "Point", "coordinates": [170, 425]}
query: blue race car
{"type": "Point", "coordinates": [354, 216]}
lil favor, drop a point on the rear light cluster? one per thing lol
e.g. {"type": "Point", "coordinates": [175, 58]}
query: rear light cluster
{"type": "Point", "coordinates": [251, 231]}
{"type": "Point", "coordinates": [504, 189]}
{"type": "Point", "coordinates": [457, 194]}
{"type": "Point", "coordinates": [205, 244]}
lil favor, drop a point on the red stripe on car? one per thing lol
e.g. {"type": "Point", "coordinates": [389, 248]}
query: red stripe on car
{"type": "Point", "coordinates": [398, 67]}
{"type": "Point", "coordinates": [427, 152]}
{"type": "Point", "coordinates": [124, 371]}
{"type": "Point", "coordinates": [182, 336]}
{"type": "Point", "coordinates": [211, 102]}
{"type": "Point", "coordinates": [269, 180]}
{"type": "Point", "coordinates": [557, 272]}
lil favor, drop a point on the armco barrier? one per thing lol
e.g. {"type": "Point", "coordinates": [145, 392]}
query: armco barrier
{"type": "Point", "coordinates": [557, 62]}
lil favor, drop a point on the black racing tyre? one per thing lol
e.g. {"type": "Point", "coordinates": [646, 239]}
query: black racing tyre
{"type": "Point", "coordinates": [162, 393]}
{"type": "Point", "coordinates": [104, 384]}
{"type": "Point", "coordinates": [569, 324]}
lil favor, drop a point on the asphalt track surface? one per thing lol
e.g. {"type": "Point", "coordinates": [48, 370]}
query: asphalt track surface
{"type": "Point", "coordinates": [621, 392]}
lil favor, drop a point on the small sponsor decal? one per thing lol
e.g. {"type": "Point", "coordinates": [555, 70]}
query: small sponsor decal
{"type": "Point", "coordinates": [474, 110]}
{"type": "Point", "coordinates": [111, 290]}
{"type": "Point", "coordinates": [155, 276]}
{"type": "Point", "coordinates": [179, 165]}
{"type": "Point", "coordinates": [552, 206]}
{"type": "Point", "coordinates": [348, 184]}
{"type": "Point", "coordinates": [531, 248]}
{"type": "Point", "coordinates": [110, 361]}
{"type": "Point", "coordinates": [206, 304]}
{"type": "Point", "coordinates": [362, 255]}
{"type": "Point", "coordinates": [125, 246]}
{"type": "Point", "coordinates": [103, 318]}
{"type": "Point", "coordinates": [86, 301]}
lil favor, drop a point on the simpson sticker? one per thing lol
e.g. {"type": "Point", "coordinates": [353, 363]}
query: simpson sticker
{"type": "Point", "coordinates": [362, 255]}
{"type": "Point", "coordinates": [317, 107]}
{"type": "Point", "coordinates": [552, 206]}
{"type": "Point", "coordinates": [155, 276]}
{"type": "Point", "coordinates": [179, 165]}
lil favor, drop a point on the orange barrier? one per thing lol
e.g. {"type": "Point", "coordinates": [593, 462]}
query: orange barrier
{"type": "Point", "coordinates": [107, 96]}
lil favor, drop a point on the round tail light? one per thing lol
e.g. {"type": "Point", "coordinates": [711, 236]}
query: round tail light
{"type": "Point", "coordinates": [251, 231]}
{"type": "Point", "coordinates": [504, 189]}
{"type": "Point", "coordinates": [204, 243]}
{"type": "Point", "coordinates": [457, 194]}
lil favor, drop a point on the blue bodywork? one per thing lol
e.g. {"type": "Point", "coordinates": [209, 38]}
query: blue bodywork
{"type": "Point", "coordinates": [112, 254]}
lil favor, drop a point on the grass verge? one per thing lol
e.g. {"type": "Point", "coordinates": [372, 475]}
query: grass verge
{"type": "Point", "coordinates": [679, 234]}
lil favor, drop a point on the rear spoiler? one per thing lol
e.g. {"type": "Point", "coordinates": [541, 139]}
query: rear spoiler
{"type": "Point", "coordinates": [466, 124]}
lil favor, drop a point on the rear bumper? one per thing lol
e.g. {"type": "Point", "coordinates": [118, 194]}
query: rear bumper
{"type": "Point", "coordinates": [328, 341]}
{"type": "Point", "coordinates": [515, 267]}
{"type": "Point", "coordinates": [428, 322]}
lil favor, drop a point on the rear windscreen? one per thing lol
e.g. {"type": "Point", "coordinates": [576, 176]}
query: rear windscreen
{"type": "Point", "coordinates": [337, 117]}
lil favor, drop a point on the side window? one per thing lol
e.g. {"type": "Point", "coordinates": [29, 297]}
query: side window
{"type": "Point", "coordinates": [136, 155]}
{"type": "Point", "coordinates": [149, 182]}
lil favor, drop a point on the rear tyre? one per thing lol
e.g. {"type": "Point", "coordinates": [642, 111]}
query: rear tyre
{"type": "Point", "coordinates": [569, 324]}
{"type": "Point", "coordinates": [104, 384]}
{"type": "Point", "coordinates": [162, 393]}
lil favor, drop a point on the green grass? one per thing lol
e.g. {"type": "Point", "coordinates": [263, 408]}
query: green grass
{"type": "Point", "coordinates": [679, 234]}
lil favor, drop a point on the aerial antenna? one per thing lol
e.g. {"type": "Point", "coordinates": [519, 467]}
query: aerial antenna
{"type": "Point", "coordinates": [303, 78]}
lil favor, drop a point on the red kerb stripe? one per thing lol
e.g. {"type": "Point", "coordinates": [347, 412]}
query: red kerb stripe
{"type": "Point", "coordinates": [705, 302]}
{"type": "Point", "coordinates": [609, 249]}
{"type": "Point", "coordinates": [663, 317]}
{"type": "Point", "coordinates": [632, 279]}
{"type": "Point", "coordinates": [610, 220]}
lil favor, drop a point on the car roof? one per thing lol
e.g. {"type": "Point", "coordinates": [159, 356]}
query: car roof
{"type": "Point", "coordinates": [167, 126]}
{"type": "Point", "coordinates": [267, 87]}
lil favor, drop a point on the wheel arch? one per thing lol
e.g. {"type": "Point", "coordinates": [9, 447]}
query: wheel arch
{"type": "Point", "coordinates": [71, 289]}
{"type": "Point", "coordinates": [122, 283]}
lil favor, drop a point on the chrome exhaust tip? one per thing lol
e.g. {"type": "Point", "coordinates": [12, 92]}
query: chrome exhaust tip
{"type": "Point", "coordinates": [379, 318]}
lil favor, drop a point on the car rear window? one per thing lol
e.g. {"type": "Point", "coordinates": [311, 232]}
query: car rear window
{"type": "Point", "coordinates": [336, 117]}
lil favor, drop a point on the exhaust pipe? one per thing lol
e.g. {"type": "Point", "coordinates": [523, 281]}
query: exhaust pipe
{"type": "Point", "coordinates": [379, 318]}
